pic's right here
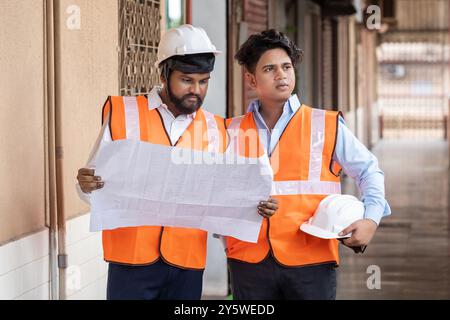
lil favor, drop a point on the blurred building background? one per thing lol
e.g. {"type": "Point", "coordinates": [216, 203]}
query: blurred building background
{"type": "Point", "coordinates": [383, 63]}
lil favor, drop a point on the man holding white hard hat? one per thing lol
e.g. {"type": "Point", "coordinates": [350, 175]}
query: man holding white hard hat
{"type": "Point", "coordinates": [307, 147]}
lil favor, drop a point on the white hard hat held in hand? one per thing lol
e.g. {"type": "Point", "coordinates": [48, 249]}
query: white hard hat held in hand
{"type": "Point", "coordinates": [334, 214]}
{"type": "Point", "coordinates": [184, 40]}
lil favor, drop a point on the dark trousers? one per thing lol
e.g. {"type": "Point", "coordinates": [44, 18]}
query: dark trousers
{"type": "Point", "coordinates": [158, 281]}
{"type": "Point", "coordinates": [268, 280]}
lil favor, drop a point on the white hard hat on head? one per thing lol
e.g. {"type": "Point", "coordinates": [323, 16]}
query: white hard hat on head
{"type": "Point", "coordinates": [184, 40]}
{"type": "Point", "coordinates": [334, 214]}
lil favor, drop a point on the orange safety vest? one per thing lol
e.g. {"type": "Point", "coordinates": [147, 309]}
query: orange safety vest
{"type": "Point", "coordinates": [130, 118]}
{"type": "Point", "coordinates": [304, 174]}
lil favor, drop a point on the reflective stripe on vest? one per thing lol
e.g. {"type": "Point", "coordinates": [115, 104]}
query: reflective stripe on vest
{"type": "Point", "coordinates": [233, 133]}
{"type": "Point", "coordinates": [213, 132]}
{"type": "Point", "coordinates": [317, 143]}
{"type": "Point", "coordinates": [285, 188]}
{"type": "Point", "coordinates": [132, 118]}
{"type": "Point", "coordinates": [313, 185]}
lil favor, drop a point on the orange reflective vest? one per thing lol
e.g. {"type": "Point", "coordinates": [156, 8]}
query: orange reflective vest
{"type": "Point", "coordinates": [304, 174]}
{"type": "Point", "coordinates": [130, 118]}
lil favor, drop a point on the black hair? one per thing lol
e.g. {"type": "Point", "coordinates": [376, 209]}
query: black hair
{"type": "Point", "coordinates": [190, 63]}
{"type": "Point", "coordinates": [251, 51]}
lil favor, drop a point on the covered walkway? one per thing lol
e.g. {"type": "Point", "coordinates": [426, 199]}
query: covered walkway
{"type": "Point", "coordinates": [411, 247]}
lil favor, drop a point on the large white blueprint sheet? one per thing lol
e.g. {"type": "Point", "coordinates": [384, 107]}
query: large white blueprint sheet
{"type": "Point", "coordinates": [153, 185]}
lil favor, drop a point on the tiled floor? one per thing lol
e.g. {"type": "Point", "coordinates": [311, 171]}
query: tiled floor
{"type": "Point", "coordinates": [411, 247]}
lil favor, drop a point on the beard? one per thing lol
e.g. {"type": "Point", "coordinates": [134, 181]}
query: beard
{"type": "Point", "coordinates": [182, 104]}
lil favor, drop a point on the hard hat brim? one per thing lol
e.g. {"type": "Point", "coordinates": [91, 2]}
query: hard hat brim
{"type": "Point", "coordinates": [320, 233]}
{"type": "Point", "coordinates": [158, 62]}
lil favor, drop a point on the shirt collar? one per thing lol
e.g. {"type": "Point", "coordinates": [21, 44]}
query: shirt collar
{"type": "Point", "coordinates": [155, 101]}
{"type": "Point", "coordinates": [293, 103]}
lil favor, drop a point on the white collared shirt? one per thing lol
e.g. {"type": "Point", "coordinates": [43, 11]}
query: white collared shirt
{"type": "Point", "coordinates": [271, 137]}
{"type": "Point", "coordinates": [174, 126]}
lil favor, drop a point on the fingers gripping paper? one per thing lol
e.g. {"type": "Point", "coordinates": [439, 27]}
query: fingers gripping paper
{"type": "Point", "coordinates": [153, 185]}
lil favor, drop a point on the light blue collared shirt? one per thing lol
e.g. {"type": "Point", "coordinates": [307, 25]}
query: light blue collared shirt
{"type": "Point", "coordinates": [354, 158]}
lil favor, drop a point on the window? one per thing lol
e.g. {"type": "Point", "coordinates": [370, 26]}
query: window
{"type": "Point", "coordinates": [175, 13]}
{"type": "Point", "coordinates": [139, 34]}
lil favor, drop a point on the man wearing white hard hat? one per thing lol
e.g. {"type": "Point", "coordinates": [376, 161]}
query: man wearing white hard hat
{"type": "Point", "coordinates": [156, 262]}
